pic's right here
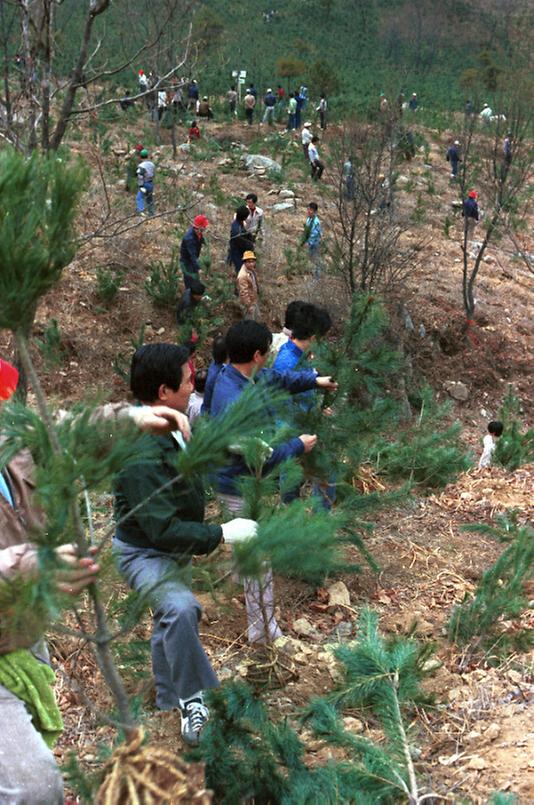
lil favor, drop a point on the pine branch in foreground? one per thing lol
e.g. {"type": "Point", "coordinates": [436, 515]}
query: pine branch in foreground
{"type": "Point", "coordinates": [248, 756]}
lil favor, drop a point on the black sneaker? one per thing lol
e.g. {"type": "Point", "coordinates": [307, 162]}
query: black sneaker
{"type": "Point", "coordinates": [195, 714]}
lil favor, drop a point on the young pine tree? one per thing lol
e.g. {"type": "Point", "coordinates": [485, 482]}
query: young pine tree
{"type": "Point", "coordinates": [500, 595]}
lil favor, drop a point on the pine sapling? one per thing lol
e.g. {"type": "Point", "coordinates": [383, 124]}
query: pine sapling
{"type": "Point", "coordinates": [514, 447]}
{"type": "Point", "coordinates": [383, 676]}
{"type": "Point", "coordinates": [500, 595]}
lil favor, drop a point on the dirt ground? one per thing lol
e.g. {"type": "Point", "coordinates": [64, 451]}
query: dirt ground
{"type": "Point", "coordinates": [478, 738]}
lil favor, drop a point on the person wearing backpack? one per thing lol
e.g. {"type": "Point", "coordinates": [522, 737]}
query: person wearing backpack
{"type": "Point", "coordinates": [145, 184]}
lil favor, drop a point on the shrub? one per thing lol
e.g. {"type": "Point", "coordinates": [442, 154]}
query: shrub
{"type": "Point", "coordinates": [427, 453]}
{"type": "Point", "coordinates": [108, 282]}
{"type": "Point", "coordinates": [501, 593]}
{"type": "Point", "coordinates": [163, 283]}
{"type": "Point", "coordinates": [50, 346]}
{"type": "Point", "coordinates": [513, 448]}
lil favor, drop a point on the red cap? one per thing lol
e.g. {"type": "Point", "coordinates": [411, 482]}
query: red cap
{"type": "Point", "coordinates": [9, 377]}
{"type": "Point", "coordinates": [139, 147]}
{"type": "Point", "coordinates": [141, 72]}
{"type": "Point", "coordinates": [200, 222]}
{"type": "Point", "coordinates": [473, 194]}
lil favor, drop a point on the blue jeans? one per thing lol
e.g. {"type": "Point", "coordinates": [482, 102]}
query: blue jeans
{"type": "Point", "coordinates": [145, 193]}
{"type": "Point", "coordinates": [291, 121]}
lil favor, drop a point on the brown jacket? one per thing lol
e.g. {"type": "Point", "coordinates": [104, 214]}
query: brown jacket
{"type": "Point", "coordinates": [247, 287]}
{"type": "Point", "coordinates": [17, 524]}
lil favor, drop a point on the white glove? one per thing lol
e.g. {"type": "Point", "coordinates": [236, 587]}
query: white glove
{"type": "Point", "coordinates": [239, 530]}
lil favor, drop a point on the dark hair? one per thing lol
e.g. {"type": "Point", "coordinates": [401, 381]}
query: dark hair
{"type": "Point", "coordinates": [196, 286]}
{"type": "Point", "coordinates": [218, 350]}
{"type": "Point", "coordinates": [495, 427]}
{"type": "Point", "coordinates": [242, 212]}
{"type": "Point", "coordinates": [323, 321]}
{"type": "Point", "coordinates": [304, 324]}
{"type": "Point", "coordinates": [200, 381]}
{"type": "Point", "coordinates": [193, 123]}
{"type": "Point", "coordinates": [251, 197]}
{"type": "Point", "coordinates": [245, 338]}
{"type": "Point", "coordinates": [154, 365]}
{"type": "Point", "coordinates": [310, 320]}
{"type": "Point", "coordinates": [292, 311]}
{"type": "Point", "coordinates": [315, 139]}
{"type": "Point", "coordinates": [313, 206]}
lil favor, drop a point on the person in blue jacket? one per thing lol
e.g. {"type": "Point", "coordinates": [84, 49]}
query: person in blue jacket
{"type": "Point", "coordinates": [220, 356]}
{"type": "Point", "coordinates": [310, 322]}
{"type": "Point", "coordinates": [247, 344]}
{"type": "Point", "coordinates": [240, 240]}
{"type": "Point", "coordinates": [453, 158]}
{"type": "Point", "coordinates": [190, 248]}
{"type": "Point", "coordinates": [470, 214]}
{"type": "Point", "coordinates": [300, 106]}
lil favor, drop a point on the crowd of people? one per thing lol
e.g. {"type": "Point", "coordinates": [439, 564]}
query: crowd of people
{"type": "Point", "coordinates": [182, 96]}
{"type": "Point", "coordinates": [247, 231]}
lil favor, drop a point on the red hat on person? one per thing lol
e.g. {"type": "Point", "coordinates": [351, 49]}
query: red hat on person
{"type": "Point", "coordinates": [9, 378]}
{"type": "Point", "coordinates": [139, 147]}
{"type": "Point", "coordinates": [141, 72]}
{"type": "Point", "coordinates": [473, 194]}
{"type": "Point", "coordinates": [200, 222]}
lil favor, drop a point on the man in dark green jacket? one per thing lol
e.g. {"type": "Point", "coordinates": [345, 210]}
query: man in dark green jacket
{"type": "Point", "coordinates": [154, 543]}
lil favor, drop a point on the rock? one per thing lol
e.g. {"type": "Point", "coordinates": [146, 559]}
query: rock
{"type": "Point", "coordinates": [352, 724]}
{"type": "Point", "coordinates": [289, 645]}
{"type": "Point", "coordinates": [283, 207]}
{"type": "Point", "coordinates": [186, 147]}
{"type": "Point", "coordinates": [338, 595]}
{"type": "Point", "coordinates": [254, 161]}
{"type": "Point", "coordinates": [457, 390]}
{"type": "Point", "coordinates": [488, 258]}
{"type": "Point", "coordinates": [286, 194]}
{"type": "Point", "coordinates": [473, 736]}
{"type": "Point", "coordinates": [402, 180]}
{"type": "Point", "coordinates": [303, 627]}
{"type": "Point", "coordinates": [225, 673]}
{"type": "Point", "coordinates": [477, 763]}
{"type": "Point", "coordinates": [492, 732]}
{"type": "Point", "coordinates": [342, 632]}
{"type": "Point", "coordinates": [422, 331]}
{"type": "Point", "coordinates": [457, 205]}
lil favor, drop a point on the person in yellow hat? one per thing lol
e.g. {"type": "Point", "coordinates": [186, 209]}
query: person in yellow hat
{"type": "Point", "coordinates": [247, 287]}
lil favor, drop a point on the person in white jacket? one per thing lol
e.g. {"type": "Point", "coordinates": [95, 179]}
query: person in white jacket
{"type": "Point", "coordinates": [495, 429]}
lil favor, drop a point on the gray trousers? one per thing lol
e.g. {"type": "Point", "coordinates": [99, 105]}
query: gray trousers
{"type": "Point", "coordinates": [181, 667]}
{"type": "Point", "coordinates": [28, 771]}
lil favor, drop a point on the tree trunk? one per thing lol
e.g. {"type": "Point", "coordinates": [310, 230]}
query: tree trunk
{"type": "Point", "coordinates": [95, 8]}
